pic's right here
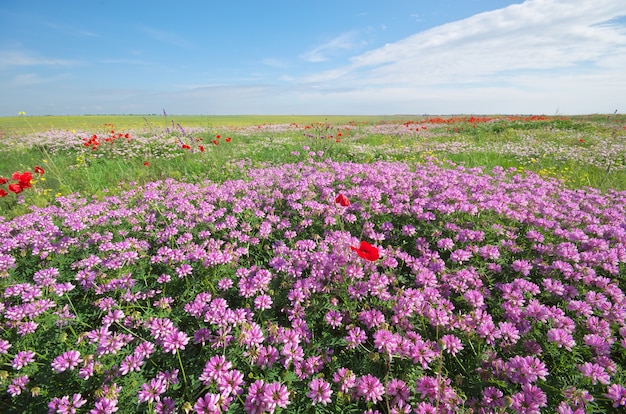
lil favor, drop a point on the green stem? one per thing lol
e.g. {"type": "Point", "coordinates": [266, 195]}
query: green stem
{"type": "Point", "coordinates": [182, 369]}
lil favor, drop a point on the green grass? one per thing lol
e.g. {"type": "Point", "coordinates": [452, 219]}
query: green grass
{"type": "Point", "coordinates": [18, 125]}
{"type": "Point", "coordinates": [567, 149]}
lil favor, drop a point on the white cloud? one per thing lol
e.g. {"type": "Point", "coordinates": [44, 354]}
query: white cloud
{"type": "Point", "coordinates": [534, 35]}
{"type": "Point", "coordinates": [9, 58]}
{"type": "Point", "coordinates": [127, 62]}
{"type": "Point", "coordinates": [165, 36]}
{"type": "Point", "coordinates": [274, 63]}
{"type": "Point", "coordinates": [321, 53]}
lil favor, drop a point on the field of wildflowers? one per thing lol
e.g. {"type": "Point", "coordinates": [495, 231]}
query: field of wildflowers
{"type": "Point", "coordinates": [436, 265]}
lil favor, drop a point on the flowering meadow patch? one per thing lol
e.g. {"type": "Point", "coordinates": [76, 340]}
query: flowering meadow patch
{"type": "Point", "coordinates": [319, 286]}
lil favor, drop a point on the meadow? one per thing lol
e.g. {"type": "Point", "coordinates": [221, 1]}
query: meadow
{"type": "Point", "coordinates": [399, 264]}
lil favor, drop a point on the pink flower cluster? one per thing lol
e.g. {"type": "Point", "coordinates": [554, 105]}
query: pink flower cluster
{"type": "Point", "coordinates": [258, 296]}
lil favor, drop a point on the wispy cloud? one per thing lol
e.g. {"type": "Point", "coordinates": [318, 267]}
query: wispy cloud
{"type": "Point", "coordinates": [28, 79]}
{"type": "Point", "coordinates": [321, 53]}
{"type": "Point", "coordinates": [127, 62]}
{"type": "Point", "coordinates": [275, 63]}
{"type": "Point", "coordinates": [534, 35]}
{"type": "Point", "coordinates": [164, 36]}
{"type": "Point", "coordinates": [70, 30]}
{"type": "Point", "coordinates": [13, 58]}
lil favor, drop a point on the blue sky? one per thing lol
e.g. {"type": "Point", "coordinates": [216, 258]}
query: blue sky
{"type": "Point", "coordinates": [312, 57]}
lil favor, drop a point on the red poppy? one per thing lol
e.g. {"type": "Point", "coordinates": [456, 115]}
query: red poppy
{"type": "Point", "coordinates": [366, 251]}
{"type": "Point", "coordinates": [228, 139]}
{"type": "Point", "coordinates": [23, 179]}
{"type": "Point", "coordinates": [581, 141]}
{"type": "Point", "coordinates": [146, 163]}
{"type": "Point", "coordinates": [38, 169]}
{"type": "Point", "coordinates": [3, 193]}
{"type": "Point", "coordinates": [3, 180]}
{"type": "Point", "coordinates": [201, 148]}
{"type": "Point", "coordinates": [15, 188]}
{"type": "Point", "coordinates": [215, 142]}
{"type": "Point", "coordinates": [342, 200]}
{"type": "Point", "coordinates": [185, 146]}
{"type": "Point", "coordinates": [218, 136]}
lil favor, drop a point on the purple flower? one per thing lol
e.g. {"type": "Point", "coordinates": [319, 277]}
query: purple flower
{"type": "Point", "coordinates": [346, 379]}
{"type": "Point", "coordinates": [175, 340]}
{"type": "Point", "coordinates": [319, 391]}
{"type": "Point", "coordinates": [214, 369]}
{"type": "Point", "coordinates": [18, 384]}
{"type": "Point", "coordinates": [451, 344]}
{"type": "Point", "coordinates": [67, 360]}
{"type": "Point", "coordinates": [22, 359]}
{"type": "Point", "coordinates": [104, 406]}
{"type": "Point", "coordinates": [263, 302]}
{"type": "Point", "coordinates": [333, 318]}
{"type": "Point", "coordinates": [525, 370]}
{"type": "Point", "coordinates": [370, 388]}
{"type": "Point", "coordinates": [132, 362]}
{"type": "Point", "coordinates": [275, 395]}
{"type": "Point", "coordinates": [616, 393]}
{"type": "Point", "coordinates": [355, 337]}
{"type": "Point", "coordinates": [561, 338]}
{"type": "Point", "coordinates": [530, 400]}
{"type": "Point", "coordinates": [595, 372]}
{"type": "Point", "coordinates": [522, 266]}
{"type": "Point", "coordinates": [230, 383]}
{"type": "Point", "coordinates": [151, 392]}
{"type": "Point", "coordinates": [208, 404]}
{"type": "Point", "coordinates": [4, 346]}
{"type": "Point", "coordinates": [398, 390]}
{"type": "Point", "coordinates": [65, 404]}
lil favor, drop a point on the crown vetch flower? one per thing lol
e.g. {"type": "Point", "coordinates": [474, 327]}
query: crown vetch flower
{"type": "Point", "coordinates": [342, 200]}
{"type": "Point", "coordinates": [366, 251]}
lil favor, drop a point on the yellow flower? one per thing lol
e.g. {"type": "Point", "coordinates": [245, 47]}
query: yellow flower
{"type": "Point", "coordinates": [21, 113]}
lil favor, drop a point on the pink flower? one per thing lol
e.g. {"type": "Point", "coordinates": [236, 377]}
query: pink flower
{"type": "Point", "coordinates": [175, 340]}
{"type": "Point", "coordinates": [319, 391]}
{"type": "Point", "coordinates": [214, 369]}
{"type": "Point", "coordinates": [333, 318]}
{"type": "Point", "coordinates": [617, 393]}
{"type": "Point", "coordinates": [18, 385]}
{"type": "Point", "coordinates": [522, 266]}
{"type": "Point", "coordinates": [150, 392]}
{"type": "Point", "coordinates": [345, 378]}
{"type": "Point", "coordinates": [275, 395]}
{"type": "Point", "coordinates": [67, 360]}
{"type": "Point", "coordinates": [451, 344]}
{"type": "Point", "coordinates": [561, 338]}
{"type": "Point", "coordinates": [230, 383]}
{"type": "Point", "coordinates": [208, 404]}
{"type": "Point", "coordinates": [595, 372]}
{"type": "Point", "coordinates": [370, 387]}
{"type": "Point", "coordinates": [22, 359]}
